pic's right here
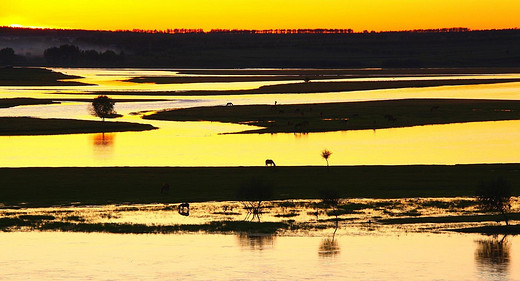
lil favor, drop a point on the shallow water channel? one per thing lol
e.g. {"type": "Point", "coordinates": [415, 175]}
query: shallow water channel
{"type": "Point", "coordinates": [405, 256]}
{"type": "Point", "coordinates": [361, 248]}
{"type": "Point", "coordinates": [207, 144]}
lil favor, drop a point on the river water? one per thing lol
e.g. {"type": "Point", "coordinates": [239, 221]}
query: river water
{"type": "Point", "coordinates": [206, 144]}
{"type": "Point", "coordinates": [405, 256]}
{"type": "Point", "coordinates": [352, 254]}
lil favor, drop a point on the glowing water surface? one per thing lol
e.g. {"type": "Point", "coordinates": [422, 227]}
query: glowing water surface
{"type": "Point", "coordinates": [358, 250]}
{"type": "Point", "coordinates": [205, 144]}
{"type": "Point", "coordinates": [367, 256]}
{"type": "Point", "coordinates": [200, 144]}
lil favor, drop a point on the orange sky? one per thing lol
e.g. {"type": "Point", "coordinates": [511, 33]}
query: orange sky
{"type": "Point", "coordinates": [266, 14]}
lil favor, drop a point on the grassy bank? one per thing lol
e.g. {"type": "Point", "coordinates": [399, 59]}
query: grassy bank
{"type": "Point", "coordinates": [350, 116]}
{"type": "Point", "coordinates": [312, 87]}
{"type": "Point", "coordinates": [56, 186]}
{"type": "Point", "coordinates": [10, 76]}
{"type": "Point", "coordinates": [224, 79]}
{"type": "Point", "coordinates": [363, 72]}
{"type": "Point", "coordinates": [341, 86]}
{"type": "Point", "coordinates": [5, 103]}
{"type": "Point", "coordinates": [18, 126]}
{"type": "Point", "coordinates": [252, 75]}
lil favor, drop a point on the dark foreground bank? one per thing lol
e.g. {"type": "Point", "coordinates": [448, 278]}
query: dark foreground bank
{"type": "Point", "coordinates": [65, 186]}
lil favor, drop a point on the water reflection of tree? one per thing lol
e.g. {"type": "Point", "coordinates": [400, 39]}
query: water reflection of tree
{"type": "Point", "coordinates": [493, 254]}
{"type": "Point", "coordinates": [256, 241]}
{"type": "Point", "coordinates": [329, 247]}
{"type": "Point", "coordinates": [103, 140]}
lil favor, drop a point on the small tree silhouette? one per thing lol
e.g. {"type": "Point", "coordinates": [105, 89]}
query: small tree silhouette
{"type": "Point", "coordinates": [326, 154]}
{"type": "Point", "coordinates": [252, 194]}
{"type": "Point", "coordinates": [495, 196]}
{"type": "Point", "coordinates": [103, 107]}
{"type": "Point", "coordinates": [331, 199]}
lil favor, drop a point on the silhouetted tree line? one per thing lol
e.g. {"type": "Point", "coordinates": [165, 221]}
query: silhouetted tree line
{"type": "Point", "coordinates": [257, 31]}
{"type": "Point", "coordinates": [453, 47]}
{"type": "Point", "coordinates": [70, 55]}
{"type": "Point", "coordinates": [8, 57]}
{"type": "Point", "coordinates": [284, 31]}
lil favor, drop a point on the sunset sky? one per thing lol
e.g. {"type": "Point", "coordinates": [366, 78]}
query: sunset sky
{"type": "Point", "coordinates": [261, 14]}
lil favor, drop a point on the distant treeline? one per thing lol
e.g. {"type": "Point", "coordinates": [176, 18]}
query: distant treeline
{"type": "Point", "coordinates": [254, 31]}
{"type": "Point", "coordinates": [70, 55]}
{"type": "Point", "coordinates": [319, 48]}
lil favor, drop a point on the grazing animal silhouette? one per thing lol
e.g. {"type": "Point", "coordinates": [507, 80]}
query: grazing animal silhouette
{"type": "Point", "coordinates": [165, 188]}
{"type": "Point", "coordinates": [184, 209]}
{"type": "Point", "coordinates": [390, 117]}
{"type": "Point", "coordinates": [269, 162]}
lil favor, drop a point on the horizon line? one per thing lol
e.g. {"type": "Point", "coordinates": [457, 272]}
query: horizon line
{"type": "Point", "coordinates": [261, 31]}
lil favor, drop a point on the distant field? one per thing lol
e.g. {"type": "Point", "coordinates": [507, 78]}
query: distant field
{"type": "Point", "coordinates": [350, 115]}
{"type": "Point", "coordinates": [55, 186]}
{"type": "Point", "coordinates": [252, 75]}
{"type": "Point", "coordinates": [320, 87]}
{"type": "Point", "coordinates": [355, 72]}
{"type": "Point", "coordinates": [5, 103]}
{"type": "Point", "coordinates": [10, 76]}
{"type": "Point", "coordinates": [225, 79]}
{"type": "Point", "coordinates": [16, 126]}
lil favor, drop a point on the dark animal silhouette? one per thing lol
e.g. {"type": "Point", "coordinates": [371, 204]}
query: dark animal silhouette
{"type": "Point", "coordinates": [390, 117]}
{"type": "Point", "coordinates": [269, 162]}
{"type": "Point", "coordinates": [165, 188]}
{"type": "Point", "coordinates": [184, 209]}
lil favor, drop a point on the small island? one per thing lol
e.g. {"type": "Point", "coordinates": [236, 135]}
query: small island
{"type": "Point", "coordinates": [326, 117]}
{"type": "Point", "coordinates": [29, 76]}
{"type": "Point", "coordinates": [24, 126]}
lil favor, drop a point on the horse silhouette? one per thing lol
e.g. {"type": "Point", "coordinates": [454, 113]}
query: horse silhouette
{"type": "Point", "coordinates": [269, 162]}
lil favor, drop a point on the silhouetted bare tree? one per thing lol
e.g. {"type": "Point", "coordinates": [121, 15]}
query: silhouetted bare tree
{"type": "Point", "coordinates": [495, 196]}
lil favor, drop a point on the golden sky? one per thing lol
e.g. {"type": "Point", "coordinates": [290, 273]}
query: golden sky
{"type": "Point", "coordinates": [261, 14]}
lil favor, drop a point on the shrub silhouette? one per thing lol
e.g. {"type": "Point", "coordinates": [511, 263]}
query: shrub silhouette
{"type": "Point", "coordinates": [495, 196]}
{"type": "Point", "coordinates": [253, 193]}
{"type": "Point", "coordinates": [326, 154]}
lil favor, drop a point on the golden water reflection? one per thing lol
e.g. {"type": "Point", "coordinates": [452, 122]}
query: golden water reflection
{"type": "Point", "coordinates": [493, 254]}
{"type": "Point", "coordinates": [202, 144]}
{"type": "Point", "coordinates": [99, 256]}
{"type": "Point", "coordinates": [256, 242]}
{"type": "Point", "coordinates": [354, 215]}
{"type": "Point", "coordinates": [329, 247]}
{"type": "Point", "coordinates": [103, 139]}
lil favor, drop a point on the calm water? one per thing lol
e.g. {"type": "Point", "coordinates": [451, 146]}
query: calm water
{"type": "Point", "coordinates": [356, 252]}
{"type": "Point", "coordinates": [353, 254]}
{"type": "Point", "coordinates": [204, 144]}
{"type": "Point", "coordinates": [405, 256]}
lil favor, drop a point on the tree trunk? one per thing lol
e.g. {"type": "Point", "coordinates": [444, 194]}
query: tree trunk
{"type": "Point", "coordinates": [505, 217]}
